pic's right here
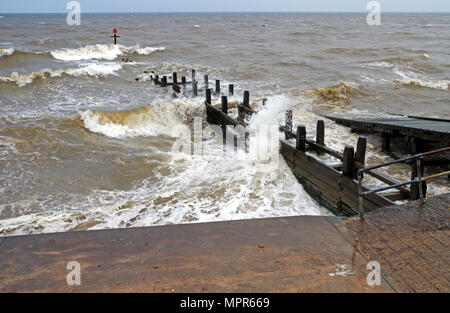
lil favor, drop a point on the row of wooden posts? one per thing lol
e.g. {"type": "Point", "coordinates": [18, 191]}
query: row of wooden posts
{"type": "Point", "coordinates": [176, 85]}
{"type": "Point", "coordinates": [351, 160]}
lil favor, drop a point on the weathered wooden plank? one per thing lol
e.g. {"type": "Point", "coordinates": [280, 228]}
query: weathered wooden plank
{"type": "Point", "coordinates": [351, 195]}
{"type": "Point", "coordinates": [218, 117]}
{"type": "Point", "coordinates": [427, 129]}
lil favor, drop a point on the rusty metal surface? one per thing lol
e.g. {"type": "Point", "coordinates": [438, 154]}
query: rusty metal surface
{"type": "Point", "coordinates": [294, 254]}
{"type": "Point", "coordinates": [411, 242]}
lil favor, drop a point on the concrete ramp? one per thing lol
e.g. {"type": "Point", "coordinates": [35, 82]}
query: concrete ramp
{"type": "Point", "coordinates": [295, 254]}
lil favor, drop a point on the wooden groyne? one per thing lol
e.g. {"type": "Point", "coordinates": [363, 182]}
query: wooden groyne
{"type": "Point", "coordinates": [336, 187]}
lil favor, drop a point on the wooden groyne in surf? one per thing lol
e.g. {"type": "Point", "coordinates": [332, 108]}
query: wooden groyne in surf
{"type": "Point", "coordinates": [338, 187]}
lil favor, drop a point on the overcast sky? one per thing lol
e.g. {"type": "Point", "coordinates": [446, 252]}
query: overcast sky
{"type": "Point", "coordinates": [53, 6]}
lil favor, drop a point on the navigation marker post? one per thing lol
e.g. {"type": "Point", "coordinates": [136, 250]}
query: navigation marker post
{"type": "Point", "coordinates": [115, 36]}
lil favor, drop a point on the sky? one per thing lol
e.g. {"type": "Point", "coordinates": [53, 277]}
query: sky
{"type": "Point", "coordinates": [87, 6]}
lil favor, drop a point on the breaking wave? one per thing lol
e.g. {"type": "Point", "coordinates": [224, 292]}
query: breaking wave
{"type": "Point", "coordinates": [92, 70]}
{"type": "Point", "coordinates": [339, 94]}
{"type": "Point", "coordinates": [6, 52]}
{"type": "Point", "coordinates": [159, 118]}
{"type": "Point", "coordinates": [105, 52]}
{"type": "Point", "coordinates": [436, 84]}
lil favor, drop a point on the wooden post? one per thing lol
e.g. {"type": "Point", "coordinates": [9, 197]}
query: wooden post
{"type": "Point", "coordinates": [288, 124]}
{"type": "Point", "coordinates": [208, 96]}
{"type": "Point", "coordinates": [386, 142]}
{"type": "Point", "coordinates": [264, 101]}
{"type": "Point", "coordinates": [183, 80]}
{"type": "Point", "coordinates": [361, 149]}
{"type": "Point", "coordinates": [348, 162]}
{"type": "Point", "coordinates": [206, 82]}
{"type": "Point", "coordinates": [320, 135]}
{"type": "Point", "coordinates": [301, 138]}
{"type": "Point", "coordinates": [246, 102]}
{"type": "Point", "coordinates": [195, 88]}
{"type": "Point", "coordinates": [231, 90]}
{"type": "Point", "coordinates": [164, 81]}
{"type": "Point", "coordinates": [225, 104]}
{"type": "Point", "coordinates": [224, 127]}
{"type": "Point", "coordinates": [156, 79]}
{"type": "Point", "coordinates": [193, 76]}
{"type": "Point", "coordinates": [217, 86]}
{"type": "Point", "coordinates": [175, 78]}
{"type": "Point", "coordinates": [241, 113]}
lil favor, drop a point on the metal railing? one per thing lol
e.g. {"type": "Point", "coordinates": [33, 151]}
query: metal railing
{"type": "Point", "coordinates": [419, 179]}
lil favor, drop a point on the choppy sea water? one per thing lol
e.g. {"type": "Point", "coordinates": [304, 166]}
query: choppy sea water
{"type": "Point", "coordinates": [83, 145]}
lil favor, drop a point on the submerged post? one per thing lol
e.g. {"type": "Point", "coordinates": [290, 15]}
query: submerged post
{"type": "Point", "coordinates": [193, 76]}
{"type": "Point", "coordinates": [156, 79]}
{"type": "Point", "coordinates": [348, 162]}
{"type": "Point", "coordinates": [301, 138]}
{"type": "Point", "coordinates": [246, 102]}
{"type": "Point", "coordinates": [208, 96]}
{"type": "Point", "coordinates": [183, 80]}
{"type": "Point", "coordinates": [231, 89]}
{"type": "Point", "coordinates": [217, 86]}
{"type": "Point", "coordinates": [164, 81]}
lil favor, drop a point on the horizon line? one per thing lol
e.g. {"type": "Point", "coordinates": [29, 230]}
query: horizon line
{"type": "Point", "coordinates": [178, 12]}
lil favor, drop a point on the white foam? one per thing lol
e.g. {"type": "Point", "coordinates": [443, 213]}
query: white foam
{"type": "Point", "coordinates": [95, 70]}
{"type": "Point", "coordinates": [435, 84]}
{"type": "Point", "coordinates": [104, 52]}
{"type": "Point", "coordinates": [92, 70]}
{"type": "Point", "coordinates": [6, 52]}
